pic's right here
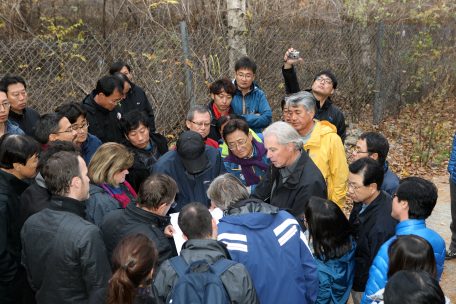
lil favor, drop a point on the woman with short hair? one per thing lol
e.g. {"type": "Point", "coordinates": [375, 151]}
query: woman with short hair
{"type": "Point", "coordinates": [332, 241]}
{"type": "Point", "coordinates": [109, 190]}
{"type": "Point", "coordinates": [133, 263]}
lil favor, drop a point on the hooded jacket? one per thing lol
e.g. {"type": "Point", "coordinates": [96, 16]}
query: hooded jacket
{"type": "Point", "coordinates": [121, 223]}
{"type": "Point", "coordinates": [374, 226]}
{"type": "Point", "coordinates": [64, 255]}
{"type": "Point", "coordinates": [89, 147]}
{"type": "Point", "coordinates": [327, 151]}
{"type": "Point", "coordinates": [34, 199]}
{"type": "Point", "coordinates": [390, 180]}
{"type": "Point", "coordinates": [192, 188]}
{"type": "Point", "coordinates": [327, 112]}
{"type": "Point", "coordinates": [136, 99]}
{"type": "Point", "coordinates": [305, 181]}
{"type": "Point", "coordinates": [138, 172]}
{"type": "Point", "coordinates": [26, 121]}
{"type": "Point", "coordinates": [236, 279]}
{"type": "Point", "coordinates": [452, 163]}
{"type": "Point", "coordinates": [12, 128]}
{"type": "Point", "coordinates": [271, 244]}
{"type": "Point", "coordinates": [254, 102]}
{"type": "Point", "coordinates": [214, 133]}
{"type": "Point", "coordinates": [379, 269]}
{"type": "Point", "coordinates": [104, 124]}
{"type": "Point", "coordinates": [336, 277]}
{"type": "Point", "coordinates": [99, 203]}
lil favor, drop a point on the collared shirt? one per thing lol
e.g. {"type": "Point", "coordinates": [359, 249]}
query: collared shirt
{"type": "Point", "coordinates": [286, 172]}
{"type": "Point", "coordinates": [363, 208]}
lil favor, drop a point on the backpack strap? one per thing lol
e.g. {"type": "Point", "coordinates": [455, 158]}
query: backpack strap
{"type": "Point", "coordinates": [222, 265]}
{"type": "Point", "coordinates": [179, 265]}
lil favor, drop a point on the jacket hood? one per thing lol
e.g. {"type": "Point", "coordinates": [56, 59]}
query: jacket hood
{"type": "Point", "coordinates": [204, 249]}
{"type": "Point", "coordinates": [88, 102]}
{"type": "Point", "coordinates": [253, 215]}
{"type": "Point", "coordinates": [40, 180]}
{"type": "Point", "coordinates": [252, 205]}
{"type": "Point", "coordinates": [94, 189]}
{"type": "Point", "coordinates": [321, 128]}
{"type": "Point", "coordinates": [409, 226]}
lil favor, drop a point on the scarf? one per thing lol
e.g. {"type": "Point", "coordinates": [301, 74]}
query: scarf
{"type": "Point", "coordinates": [122, 197]}
{"type": "Point", "coordinates": [217, 112]}
{"type": "Point", "coordinates": [246, 164]}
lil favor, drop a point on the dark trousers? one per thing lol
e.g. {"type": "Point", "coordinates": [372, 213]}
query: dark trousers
{"type": "Point", "coordinates": [453, 215]}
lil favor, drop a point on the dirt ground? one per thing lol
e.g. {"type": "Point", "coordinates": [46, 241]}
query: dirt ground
{"type": "Point", "coordinates": [440, 221]}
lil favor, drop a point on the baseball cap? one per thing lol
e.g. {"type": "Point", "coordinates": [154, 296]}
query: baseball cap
{"type": "Point", "coordinates": [192, 151]}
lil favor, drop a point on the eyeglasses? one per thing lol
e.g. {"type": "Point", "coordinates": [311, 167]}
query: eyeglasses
{"type": "Point", "coordinates": [350, 185]}
{"type": "Point", "coordinates": [5, 105]}
{"type": "Point", "coordinates": [200, 124]}
{"type": "Point", "coordinates": [248, 76]}
{"type": "Point", "coordinates": [116, 101]}
{"type": "Point", "coordinates": [238, 145]}
{"type": "Point", "coordinates": [358, 152]}
{"type": "Point", "coordinates": [325, 80]}
{"type": "Point", "coordinates": [82, 127]}
{"type": "Point", "coordinates": [174, 205]}
{"type": "Point", "coordinates": [70, 129]}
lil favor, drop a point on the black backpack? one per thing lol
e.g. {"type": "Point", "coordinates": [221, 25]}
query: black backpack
{"type": "Point", "coordinates": [205, 287]}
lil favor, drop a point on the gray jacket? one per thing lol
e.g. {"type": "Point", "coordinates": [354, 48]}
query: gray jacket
{"type": "Point", "coordinates": [98, 204]}
{"type": "Point", "coordinates": [236, 279]}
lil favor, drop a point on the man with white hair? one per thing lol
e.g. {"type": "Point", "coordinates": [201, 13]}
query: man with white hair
{"type": "Point", "coordinates": [321, 143]}
{"type": "Point", "coordinates": [250, 223]}
{"type": "Point", "coordinates": [292, 178]}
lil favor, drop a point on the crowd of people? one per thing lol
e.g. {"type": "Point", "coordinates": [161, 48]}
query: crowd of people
{"type": "Point", "coordinates": [87, 193]}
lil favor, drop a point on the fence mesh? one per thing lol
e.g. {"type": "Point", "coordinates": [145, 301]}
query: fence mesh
{"type": "Point", "coordinates": [415, 60]}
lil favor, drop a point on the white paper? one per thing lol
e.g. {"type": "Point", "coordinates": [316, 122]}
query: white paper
{"type": "Point", "coordinates": [217, 214]}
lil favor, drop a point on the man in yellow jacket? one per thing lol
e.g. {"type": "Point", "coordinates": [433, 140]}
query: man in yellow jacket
{"type": "Point", "coordinates": [321, 143]}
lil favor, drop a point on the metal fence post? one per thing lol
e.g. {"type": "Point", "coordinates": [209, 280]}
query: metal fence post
{"type": "Point", "coordinates": [378, 87]}
{"type": "Point", "coordinates": [188, 72]}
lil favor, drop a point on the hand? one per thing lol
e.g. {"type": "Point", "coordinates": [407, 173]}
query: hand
{"type": "Point", "coordinates": [258, 114]}
{"type": "Point", "coordinates": [290, 62]}
{"type": "Point", "coordinates": [169, 231]}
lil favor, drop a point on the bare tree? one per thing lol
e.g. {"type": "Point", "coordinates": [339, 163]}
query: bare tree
{"type": "Point", "coordinates": [236, 28]}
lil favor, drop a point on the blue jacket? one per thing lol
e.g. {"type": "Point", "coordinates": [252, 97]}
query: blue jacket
{"type": "Point", "coordinates": [390, 180]}
{"type": "Point", "coordinates": [273, 248]}
{"type": "Point", "coordinates": [452, 163]}
{"type": "Point", "coordinates": [89, 147]}
{"type": "Point", "coordinates": [236, 169]}
{"type": "Point", "coordinates": [12, 128]}
{"type": "Point", "coordinates": [379, 269]}
{"type": "Point", "coordinates": [336, 278]}
{"type": "Point", "coordinates": [252, 103]}
{"type": "Point", "coordinates": [191, 188]}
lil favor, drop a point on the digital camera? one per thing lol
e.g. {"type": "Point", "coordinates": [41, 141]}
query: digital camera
{"type": "Point", "coordinates": [293, 55]}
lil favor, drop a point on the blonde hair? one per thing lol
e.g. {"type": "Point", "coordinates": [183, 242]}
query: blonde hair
{"type": "Point", "coordinates": [109, 159]}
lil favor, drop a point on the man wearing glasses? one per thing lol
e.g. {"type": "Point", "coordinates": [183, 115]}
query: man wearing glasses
{"type": "Point", "coordinates": [199, 120]}
{"type": "Point", "coordinates": [249, 101]}
{"type": "Point", "coordinates": [370, 216]}
{"type": "Point", "coordinates": [15, 89]}
{"type": "Point", "coordinates": [324, 85]}
{"type": "Point", "coordinates": [375, 145]}
{"type": "Point", "coordinates": [54, 126]}
{"type": "Point", "coordinates": [103, 112]}
{"type": "Point", "coordinates": [77, 116]}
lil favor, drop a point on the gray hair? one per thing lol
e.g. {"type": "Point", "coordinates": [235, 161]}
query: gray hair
{"type": "Point", "coordinates": [285, 134]}
{"type": "Point", "coordinates": [226, 190]}
{"type": "Point", "coordinates": [303, 98]}
{"type": "Point", "coordinates": [198, 108]}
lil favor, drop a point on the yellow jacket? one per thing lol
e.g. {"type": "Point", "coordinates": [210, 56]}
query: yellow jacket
{"type": "Point", "coordinates": [327, 151]}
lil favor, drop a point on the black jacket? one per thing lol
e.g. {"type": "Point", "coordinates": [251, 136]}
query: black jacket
{"type": "Point", "coordinates": [374, 226]}
{"type": "Point", "coordinates": [26, 121]}
{"type": "Point", "coordinates": [11, 189]}
{"type": "Point", "coordinates": [121, 223]}
{"type": "Point", "coordinates": [104, 124]}
{"type": "Point", "coordinates": [34, 199]}
{"type": "Point", "coordinates": [305, 181]}
{"type": "Point", "coordinates": [136, 99]}
{"type": "Point", "coordinates": [100, 297]}
{"type": "Point", "coordinates": [236, 279]}
{"type": "Point", "coordinates": [138, 172]}
{"type": "Point", "coordinates": [64, 255]}
{"type": "Point", "coordinates": [328, 112]}
{"type": "Point", "coordinates": [214, 133]}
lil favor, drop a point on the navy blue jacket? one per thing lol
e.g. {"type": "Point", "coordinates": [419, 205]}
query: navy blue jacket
{"type": "Point", "coordinates": [452, 163]}
{"type": "Point", "coordinates": [378, 272]}
{"type": "Point", "coordinates": [89, 147]}
{"type": "Point", "coordinates": [390, 180]}
{"type": "Point", "coordinates": [192, 188]}
{"type": "Point", "coordinates": [272, 246]}
{"type": "Point", "coordinates": [374, 226]}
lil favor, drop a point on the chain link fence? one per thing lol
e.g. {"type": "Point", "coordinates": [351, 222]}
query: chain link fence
{"type": "Point", "coordinates": [416, 60]}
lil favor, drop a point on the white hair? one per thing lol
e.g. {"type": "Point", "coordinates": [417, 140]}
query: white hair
{"type": "Point", "coordinates": [285, 134]}
{"type": "Point", "coordinates": [303, 98]}
{"type": "Point", "coordinates": [226, 190]}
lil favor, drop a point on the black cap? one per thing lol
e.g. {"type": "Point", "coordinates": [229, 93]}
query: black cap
{"type": "Point", "coordinates": [192, 151]}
